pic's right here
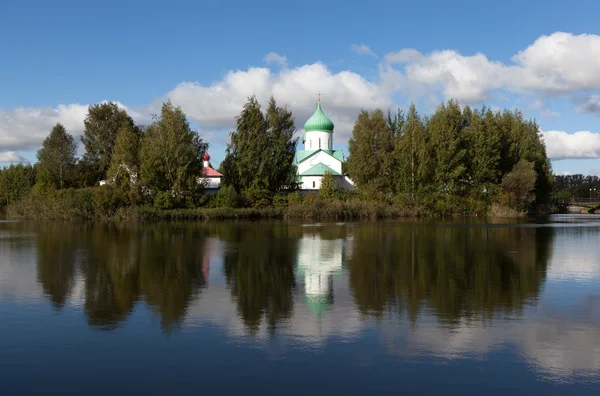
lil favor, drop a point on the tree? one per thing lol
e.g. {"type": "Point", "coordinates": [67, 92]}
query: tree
{"type": "Point", "coordinates": [101, 126]}
{"type": "Point", "coordinates": [15, 182]}
{"type": "Point", "coordinates": [328, 186]}
{"type": "Point", "coordinates": [520, 183]}
{"type": "Point", "coordinates": [259, 157]}
{"type": "Point", "coordinates": [483, 144]}
{"type": "Point", "coordinates": [125, 162]}
{"type": "Point", "coordinates": [370, 162]}
{"type": "Point", "coordinates": [445, 129]}
{"type": "Point", "coordinates": [57, 159]}
{"type": "Point", "coordinates": [409, 152]}
{"type": "Point", "coordinates": [170, 157]}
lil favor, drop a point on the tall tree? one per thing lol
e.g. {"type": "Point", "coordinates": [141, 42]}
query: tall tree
{"type": "Point", "coordinates": [410, 153]}
{"type": "Point", "coordinates": [125, 162]}
{"type": "Point", "coordinates": [103, 122]}
{"type": "Point", "coordinates": [483, 138]}
{"type": "Point", "coordinates": [57, 158]}
{"type": "Point", "coordinates": [15, 182]}
{"type": "Point", "coordinates": [281, 147]}
{"type": "Point", "coordinates": [370, 160]}
{"type": "Point", "coordinates": [170, 156]}
{"type": "Point", "coordinates": [261, 149]}
{"type": "Point", "coordinates": [445, 130]}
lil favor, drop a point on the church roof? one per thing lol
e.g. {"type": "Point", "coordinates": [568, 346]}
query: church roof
{"type": "Point", "coordinates": [319, 170]}
{"type": "Point", "coordinates": [319, 121]}
{"type": "Point", "coordinates": [302, 155]}
{"type": "Point", "coordinates": [210, 172]}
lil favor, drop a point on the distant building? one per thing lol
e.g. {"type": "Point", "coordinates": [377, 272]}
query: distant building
{"type": "Point", "coordinates": [212, 178]}
{"type": "Point", "coordinates": [318, 156]}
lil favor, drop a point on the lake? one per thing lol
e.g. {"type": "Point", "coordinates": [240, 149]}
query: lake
{"type": "Point", "coordinates": [473, 306]}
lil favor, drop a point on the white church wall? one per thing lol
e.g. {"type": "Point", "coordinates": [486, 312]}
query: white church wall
{"type": "Point", "coordinates": [321, 157]}
{"type": "Point", "coordinates": [312, 140]}
{"type": "Point", "coordinates": [311, 182]}
{"type": "Point", "coordinates": [211, 182]}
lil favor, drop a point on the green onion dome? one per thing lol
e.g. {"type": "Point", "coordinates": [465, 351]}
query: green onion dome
{"type": "Point", "coordinates": [318, 122]}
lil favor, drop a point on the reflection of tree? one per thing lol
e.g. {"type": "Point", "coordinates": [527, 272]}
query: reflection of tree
{"type": "Point", "coordinates": [159, 263]}
{"type": "Point", "coordinates": [259, 267]}
{"type": "Point", "coordinates": [457, 272]}
{"type": "Point", "coordinates": [171, 270]}
{"type": "Point", "coordinates": [56, 261]}
{"type": "Point", "coordinates": [110, 268]}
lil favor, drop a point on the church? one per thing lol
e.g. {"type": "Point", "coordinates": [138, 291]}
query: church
{"type": "Point", "coordinates": [318, 156]}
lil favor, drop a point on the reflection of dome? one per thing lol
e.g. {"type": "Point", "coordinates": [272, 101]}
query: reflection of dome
{"type": "Point", "coordinates": [318, 261]}
{"type": "Point", "coordinates": [319, 303]}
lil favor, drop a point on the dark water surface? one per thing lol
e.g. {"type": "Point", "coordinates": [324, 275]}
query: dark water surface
{"type": "Point", "coordinates": [431, 307]}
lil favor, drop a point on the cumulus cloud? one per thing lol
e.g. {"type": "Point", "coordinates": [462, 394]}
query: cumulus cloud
{"type": "Point", "coordinates": [274, 57]}
{"type": "Point", "coordinates": [11, 157]}
{"type": "Point", "coordinates": [25, 128]}
{"type": "Point", "coordinates": [344, 94]}
{"type": "Point", "coordinates": [579, 145]}
{"type": "Point", "coordinates": [362, 49]}
{"type": "Point", "coordinates": [558, 64]}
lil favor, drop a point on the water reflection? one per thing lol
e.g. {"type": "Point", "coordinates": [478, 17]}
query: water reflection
{"type": "Point", "coordinates": [429, 291]}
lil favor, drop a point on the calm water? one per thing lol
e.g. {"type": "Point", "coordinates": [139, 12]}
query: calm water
{"type": "Point", "coordinates": [489, 307]}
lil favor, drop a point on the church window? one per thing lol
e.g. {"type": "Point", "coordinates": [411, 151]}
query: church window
{"type": "Point", "coordinates": [309, 143]}
{"type": "Point", "coordinates": [313, 184]}
{"type": "Point", "coordinates": [319, 142]}
{"type": "Point", "coordinates": [330, 145]}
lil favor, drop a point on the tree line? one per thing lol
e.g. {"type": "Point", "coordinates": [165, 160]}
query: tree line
{"type": "Point", "coordinates": [457, 159]}
{"type": "Point", "coordinates": [161, 161]}
{"type": "Point", "coordinates": [576, 186]}
{"type": "Point", "coordinates": [454, 153]}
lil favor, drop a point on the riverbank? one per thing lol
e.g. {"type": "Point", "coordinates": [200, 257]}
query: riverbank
{"type": "Point", "coordinates": [88, 204]}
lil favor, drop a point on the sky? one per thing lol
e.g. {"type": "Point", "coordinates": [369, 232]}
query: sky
{"type": "Point", "coordinates": [542, 57]}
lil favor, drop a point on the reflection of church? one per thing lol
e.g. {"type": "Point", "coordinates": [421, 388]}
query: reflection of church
{"type": "Point", "coordinates": [318, 261]}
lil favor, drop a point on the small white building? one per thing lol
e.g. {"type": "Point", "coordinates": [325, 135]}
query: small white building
{"type": "Point", "coordinates": [318, 156]}
{"type": "Point", "coordinates": [211, 177]}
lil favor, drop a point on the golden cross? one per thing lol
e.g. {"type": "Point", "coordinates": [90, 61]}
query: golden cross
{"type": "Point", "coordinates": [319, 97]}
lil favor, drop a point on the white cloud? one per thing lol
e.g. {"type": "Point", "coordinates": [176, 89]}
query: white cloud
{"type": "Point", "coordinates": [559, 64]}
{"type": "Point", "coordinates": [274, 57]}
{"type": "Point", "coordinates": [344, 94]}
{"type": "Point", "coordinates": [362, 49]}
{"type": "Point", "coordinates": [561, 145]}
{"type": "Point", "coordinates": [11, 157]}
{"type": "Point", "coordinates": [25, 128]}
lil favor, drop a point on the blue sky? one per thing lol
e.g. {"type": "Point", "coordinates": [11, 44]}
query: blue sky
{"type": "Point", "coordinates": [58, 57]}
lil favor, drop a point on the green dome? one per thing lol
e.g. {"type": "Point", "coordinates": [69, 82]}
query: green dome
{"type": "Point", "coordinates": [319, 122]}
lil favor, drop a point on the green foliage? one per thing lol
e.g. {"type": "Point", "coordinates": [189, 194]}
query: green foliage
{"type": "Point", "coordinates": [410, 153]}
{"type": "Point", "coordinates": [170, 159]}
{"type": "Point", "coordinates": [520, 183]}
{"type": "Point", "coordinates": [328, 186]}
{"type": "Point", "coordinates": [257, 197]}
{"type": "Point", "coordinates": [260, 154]}
{"type": "Point", "coordinates": [101, 126]}
{"type": "Point", "coordinates": [16, 181]}
{"type": "Point", "coordinates": [227, 197]}
{"type": "Point", "coordinates": [56, 159]}
{"type": "Point", "coordinates": [449, 155]}
{"type": "Point", "coordinates": [125, 163]}
{"type": "Point", "coordinates": [371, 161]}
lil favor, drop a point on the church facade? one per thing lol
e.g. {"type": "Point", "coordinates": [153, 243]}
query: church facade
{"type": "Point", "coordinates": [319, 156]}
